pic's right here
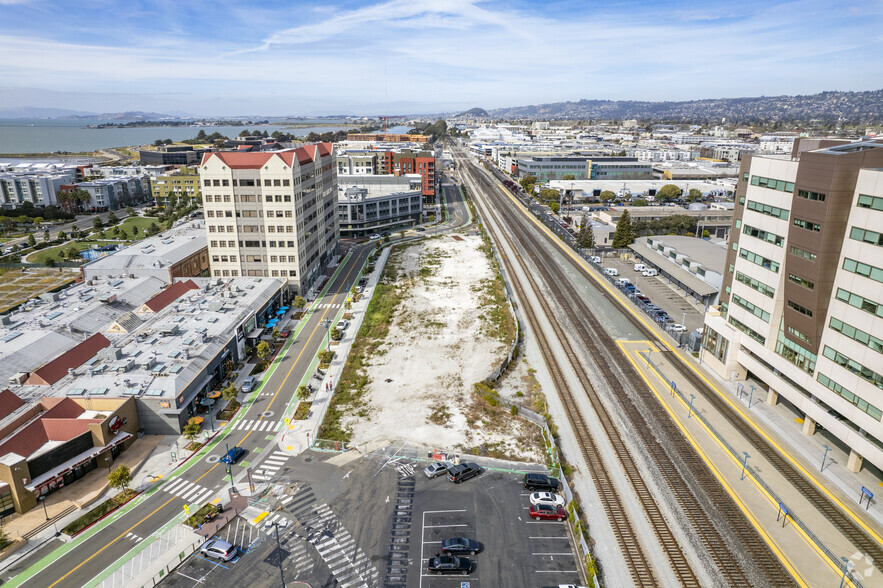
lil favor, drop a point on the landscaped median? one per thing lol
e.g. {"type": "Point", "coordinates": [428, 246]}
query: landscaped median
{"type": "Point", "coordinates": [99, 512]}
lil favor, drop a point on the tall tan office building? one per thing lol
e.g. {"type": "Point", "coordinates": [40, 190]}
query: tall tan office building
{"type": "Point", "coordinates": [802, 307]}
{"type": "Point", "coordinates": [271, 214]}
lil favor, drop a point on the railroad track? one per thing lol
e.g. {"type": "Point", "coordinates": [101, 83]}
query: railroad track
{"type": "Point", "coordinates": [841, 520]}
{"type": "Point", "coordinates": [710, 512]}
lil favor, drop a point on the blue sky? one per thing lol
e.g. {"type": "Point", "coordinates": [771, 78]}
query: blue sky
{"type": "Point", "coordinates": [274, 57]}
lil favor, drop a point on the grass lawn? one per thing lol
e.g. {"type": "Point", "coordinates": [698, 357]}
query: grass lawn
{"type": "Point", "coordinates": [142, 222]}
{"type": "Point", "coordinates": [109, 505]}
{"type": "Point", "coordinates": [55, 252]}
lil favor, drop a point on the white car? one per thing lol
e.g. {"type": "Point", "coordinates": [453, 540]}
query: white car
{"type": "Point", "coordinates": [678, 328]}
{"type": "Point", "coordinates": [595, 259]}
{"type": "Point", "coordinates": [373, 236]}
{"type": "Point", "coordinates": [650, 273]}
{"type": "Point", "coordinates": [547, 498]}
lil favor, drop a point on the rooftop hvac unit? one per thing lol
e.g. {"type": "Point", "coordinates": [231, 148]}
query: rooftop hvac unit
{"type": "Point", "coordinates": [18, 378]}
{"type": "Point", "coordinates": [149, 363]}
{"type": "Point", "coordinates": [71, 372]}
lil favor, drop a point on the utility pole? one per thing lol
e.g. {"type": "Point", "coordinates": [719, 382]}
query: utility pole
{"type": "Point", "coordinates": [279, 555]}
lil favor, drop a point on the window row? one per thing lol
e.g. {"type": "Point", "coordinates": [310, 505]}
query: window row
{"type": "Point", "coordinates": [811, 195]}
{"type": "Point", "coordinates": [747, 330]}
{"type": "Point", "coordinates": [248, 183]}
{"type": "Point", "coordinates": [865, 339]}
{"type": "Point", "coordinates": [855, 367]}
{"type": "Point", "coordinates": [796, 354]}
{"type": "Point", "coordinates": [217, 198]}
{"type": "Point", "coordinates": [283, 259]}
{"type": "Point", "coordinates": [866, 236]}
{"type": "Point", "coordinates": [809, 226]}
{"type": "Point", "coordinates": [861, 302]}
{"type": "Point", "coordinates": [222, 244]}
{"type": "Point", "coordinates": [863, 269]}
{"type": "Point", "coordinates": [800, 335]}
{"type": "Point", "coordinates": [763, 235]}
{"type": "Point", "coordinates": [862, 405]}
{"type": "Point", "coordinates": [759, 260]}
{"type": "Point", "coordinates": [768, 210]}
{"type": "Point", "coordinates": [802, 253]}
{"type": "Point", "coordinates": [772, 184]}
{"type": "Point", "coordinates": [750, 307]}
{"type": "Point", "coordinates": [755, 285]}
{"type": "Point", "coordinates": [224, 258]}
{"type": "Point", "coordinates": [801, 282]}
{"type": "Point", "coordinates": [801, 309]}
{"type": "Point", "coordinates": [873, 202]}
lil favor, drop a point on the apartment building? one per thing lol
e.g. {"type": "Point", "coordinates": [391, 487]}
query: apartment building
{"type": "Point", "coordinates": [271, 213]}
{"type": "Point", "coordinates": [180, 183]}
{"type": "Point", "coordinates": [802, 307]}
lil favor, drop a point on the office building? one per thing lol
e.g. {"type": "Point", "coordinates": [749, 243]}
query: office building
{"type": "Point", "coordinates": [801, 312]}
{"type": "Point", "coordinates": [272, 214]}
{"type": "Point", "coordinates": [365, 209]}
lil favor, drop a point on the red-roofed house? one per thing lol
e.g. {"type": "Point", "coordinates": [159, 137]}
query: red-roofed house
{"type": "Point", "coordinates": [58, 441]}
{"type": "Point", "coordinates": [49, 373]}
{"type": "Point", "coordinates": [271, 214]}
{"type": "Point", "coordinates": [167, 296]}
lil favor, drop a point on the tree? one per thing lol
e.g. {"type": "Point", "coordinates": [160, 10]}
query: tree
{"type": "Point", "coordinates": [303, 392]}
{"type": "Point", "coordinates": [31, 240]}
{"type": "Point", "coordinates": [607, 195]}
{"type": "Point", "coordinates": [527, 183]}
{"type": "Point", "coordinates": [263, 350]}
{"type": "Point", "coordinates": [625, 233]}
{"type": "Point", "coordinates": [191, 430]}
{"type": "Point", "coordinates": [130, 211]}
{"type": "Point", "coordinates": [275, 335]}
{"type": "Point", "coordinates": [669, 192]}
{"type": "Point", "coordinates": [61, 236]}
{"type": "Point", "coordinates": [586, 236]}
{"type": "Point", "coordinates": [153, 229]}
{"type": "Point", "coordinates": [72, 252]}
{"type": "Point", "coordinates": [46, 236]}
{"type": "Point", "coordinates": [112, 218]}
{"type": "Point", "coordinates": [229, 393]}
{"type": "Point", "coordinates": [549, 194]}
{"type": "Point", "coordinates": [97, 224]}
{"type": "Point", "coordinates": [554, 206]}
{"type": "Point", "coordinates": [694, 194]}
{"type": "Point", "coordinates": [639, 202]}
{"type": "Point", "coordinates": [568, 177]}
{"type": "Point", "coordinates": [299, 302]}
{"type": "Point", "coordinates": [120, 478]}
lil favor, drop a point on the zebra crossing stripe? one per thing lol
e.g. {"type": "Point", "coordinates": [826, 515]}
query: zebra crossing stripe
{"type": "Point", "coordinates": [170, 488]}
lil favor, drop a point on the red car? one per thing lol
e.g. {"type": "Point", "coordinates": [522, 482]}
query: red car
{"type": "Point", "coordinates": [547, 512]}
{"type": "Point", "coordinates": [284, 332]}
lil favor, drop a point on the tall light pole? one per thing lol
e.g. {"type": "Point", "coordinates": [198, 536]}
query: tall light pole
{"type": "Point", "coordinates": [744, 464]}
{"type": "Point", "coordinates": [846, 565]}
{"type": "Point", "coordinates": [279, 555]}
{"type": "Point", "coordinates": [327, 323]}
{"type": "Point", "coordinates": [42, 499]}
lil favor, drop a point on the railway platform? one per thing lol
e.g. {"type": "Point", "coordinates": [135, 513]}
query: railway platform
{"type": "Point", "coordinates": [810, 546]}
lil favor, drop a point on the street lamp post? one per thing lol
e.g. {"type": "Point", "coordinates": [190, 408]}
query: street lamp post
{"type": "Point", "coordinates": [327, 324]}
{"type": "Point", "coordinates": [43, 500]}
{"type": "Point", "coordinates": [690, 413]}
{"type": "Point", "coordinates": [279, 555]}
{"type": "Point", "coordinates": [846, 565]}
{"type": "Point", "coordinates": [751, 396]}
{"type": "Point", "coordinates": [824, 457]}
{"type": "Point", "coordinates": [744, 464]}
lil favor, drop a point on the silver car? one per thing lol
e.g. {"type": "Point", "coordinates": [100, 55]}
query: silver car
{"type": "Point", "coordinates": [219, 549]}
{"type": "Point", "coordinates": [436, 469]}
{"type": "Point", "coordinates": [249, 384]}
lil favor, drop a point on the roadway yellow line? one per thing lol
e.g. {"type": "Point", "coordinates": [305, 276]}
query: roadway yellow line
{"type": "Point", "coordinates": [123, 534]}
{"type": "Point", "coordinates": [628, 308]}
{"type": "Point", "coordinates": [717, 474]}
{"type": "Point", "coordinates": [118, 537]}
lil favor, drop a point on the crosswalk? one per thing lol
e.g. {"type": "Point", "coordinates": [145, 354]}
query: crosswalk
{"type": "Point", "coordinates": [350, 565]}
{"type": "Point", "coordinates": [328, 305]}
{"type": "Point", "coordinates": [187, 490]}
{"type": "Point", "coordinates": [257, 425]}
{"type": "Point", "coordinates": [271, 465]}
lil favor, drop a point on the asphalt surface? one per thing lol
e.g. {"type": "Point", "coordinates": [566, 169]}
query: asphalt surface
{"type": "Point", "coordinates": [377, 521]}
{"type": "Point", "coordinates": [78, 565]}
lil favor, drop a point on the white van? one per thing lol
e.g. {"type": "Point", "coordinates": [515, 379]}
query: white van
{"type": "Point", "coordinates": [595, 259]}
{"type": "Point", "coordinates": [650, 272]}
{"type": "Point", "coordinates": [639, 267]}
{"type": "Point", "coordinates": [622, 281]}
{"type": "Point", "coordinates": [611, 271]}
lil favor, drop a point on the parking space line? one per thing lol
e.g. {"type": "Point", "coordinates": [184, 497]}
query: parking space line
{"type": "Point", "coordinates": [556, 571]}
{"type": "Point", "coordinates": [562, 553]}
{"type": "Point", "coordinates": [443, 526]}
{"type": "Point", "coordinates": [436, 511]}
{"type": "Point", "coordinates": [565, 537]}
{"type": "Point", "coordinates": [214, 563]}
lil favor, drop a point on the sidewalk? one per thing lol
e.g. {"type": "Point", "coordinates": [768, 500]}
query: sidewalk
{"type": "Point", "coordinates": [760, 488]}
{"type": "Point", "coordinates": [301, 434]}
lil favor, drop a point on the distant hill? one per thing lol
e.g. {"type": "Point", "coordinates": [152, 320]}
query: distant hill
{"type": "Point", "coordinates": [130, 115]}
{"type": "Point", "coordinates": [858, 108]}
{"type": "Point", "coordinates": [33, 112]}
{"type": "Point", "coordinates": [476, 113]}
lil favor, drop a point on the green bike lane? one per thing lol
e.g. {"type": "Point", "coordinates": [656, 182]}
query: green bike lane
{"type": "Point", "coordinates": [75, 563]}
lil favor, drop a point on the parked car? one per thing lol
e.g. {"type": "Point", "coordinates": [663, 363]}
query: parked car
{"type": "Point", "coordinates": [342, 325]}
{"type": "Point", "coordinates": [458, 545]}
{"type": "Point", "coordinates": [595, 259]}
{"type": "Point", "coordinates": [233, 454]}
{"type": "Point", "coordinates": [547, 498]}
{"type": "Point", "coordinates": [284, 332]}
{"type": "Point", "coordinates": [249, 384]}
{"type": "Point", "coordinates": [622, 281]}
{"type": "Point", "coordinates": [219, 549]}
{"type": "Point", "coordinates": [420, 229]}
{"type": "Point", "coordinates": [611, 271]}
{"type": "Point", "coordinates": [449, 564]}
{"type": "Point", "coordinates": [547, 512]}
{"type": "Point", "coordinates": [677, 328]}
{"type": "Point", "coordinates": [373, 236]}
{"type": "Point", "coordinates": [436, 469]}
{"type": "Point", "coordinates": [541, 482]}
{"type": "Point", "coordinates": [650, 273]}
{"type": "Point", "coordinates": [642, 298]}
{"type": "Point", "coordinates": [639, 267]}
{"type": "Point", "coordinates": [463, 471]}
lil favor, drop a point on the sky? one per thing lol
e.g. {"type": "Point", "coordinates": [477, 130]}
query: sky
{"type": "Point", "coordinates": [363, 57]}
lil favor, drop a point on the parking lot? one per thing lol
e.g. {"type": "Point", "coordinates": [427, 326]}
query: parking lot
{"type": "Point", "coordinates": [378, 519]}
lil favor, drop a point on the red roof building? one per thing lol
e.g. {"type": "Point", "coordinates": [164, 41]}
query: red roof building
{"type": "Point", "coordinates": [58, 368]}
{"type": "Point", "coordinates": [167, 296]}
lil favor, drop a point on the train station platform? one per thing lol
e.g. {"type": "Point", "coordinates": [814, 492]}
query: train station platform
{"type": "Point", "coordinates": [807, 543]}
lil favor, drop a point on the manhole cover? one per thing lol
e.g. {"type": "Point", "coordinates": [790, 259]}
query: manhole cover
{"type": "Point", "coordinates": [267, 414]}
{"type": "Point", "coordinates": [213, 459]}
{"type": "Point", "coordinates": [309, 459]}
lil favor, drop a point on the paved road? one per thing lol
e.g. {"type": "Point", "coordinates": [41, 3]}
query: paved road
{"type": "Point", "coordinates": [75, 564]}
